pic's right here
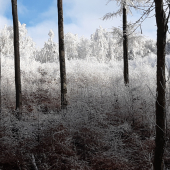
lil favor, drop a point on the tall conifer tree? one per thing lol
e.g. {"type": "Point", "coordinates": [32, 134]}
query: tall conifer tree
{"type": "Point", "coordinates": [124, 9]}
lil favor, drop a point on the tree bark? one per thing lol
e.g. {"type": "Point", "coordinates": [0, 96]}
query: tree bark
{"type": "Point", "coordinates": [0, 80]}
{"type": "Point", "coordinates": [161, 86]}
{"type": "Point", "coordinates": [17, 59]}
{"type": "Point", "coordinates": [125, 45]}
{"type": "Point", "coordinates": [62, 55]}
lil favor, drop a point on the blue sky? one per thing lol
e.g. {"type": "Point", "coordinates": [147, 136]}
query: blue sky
{"type": "Point", "coordinates": [81, 17]}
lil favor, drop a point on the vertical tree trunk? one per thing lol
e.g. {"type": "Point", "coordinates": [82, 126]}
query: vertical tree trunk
{"type": "Point", "coordinates": [62, 55]}
{"type": "Point", "coordinates": [161, 86]}
{"type": "Point", "coordinates": [17, 58]}
{"type": "Point", "coordinates": [0, 80]}
{"type": "Point", "coordinates": [125, 45]}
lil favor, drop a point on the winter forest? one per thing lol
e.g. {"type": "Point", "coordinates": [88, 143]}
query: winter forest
{"type": "Point", "coordinates": [104, 122]}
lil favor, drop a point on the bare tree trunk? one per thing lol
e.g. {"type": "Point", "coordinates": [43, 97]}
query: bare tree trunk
{"type": "Point", "coordinates": [161, 86]}
{"type": "Point", "coordinates": [17, 59]}
{"type": "Point", "coordinates": [125, 45]}
{"type": "Point", "coordinates": [0, 79]}
{"type": "Point", "coordinates": [62, 55]}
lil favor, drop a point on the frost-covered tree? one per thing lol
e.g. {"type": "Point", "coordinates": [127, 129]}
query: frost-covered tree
{"type": "Point", "coordinates": [99, 44]}
{"type": "Point", "coordinates": [17, 59]}
{"type": "Point", "coordinates": [26, 44]}
{"type": "Point", "coordinates": [71, 45]}
{"type": "Point", "coordinates": [6, 41]}
{"type": "Point", "coordinates": [108, 45]}
{"type": "Point", "coordinates": [84, 48]}
{"type": "Point", "coordinates": [49, 53]}
{"type": "Point", "coordinates": [123, 10]}
{"type": "Point", "coordinates": [138, 45]}
{"type": "Point", "coordinates": [150, 45]}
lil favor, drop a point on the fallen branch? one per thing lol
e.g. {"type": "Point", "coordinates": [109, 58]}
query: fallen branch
{"type": "Point", "coordinates": [33, 162]}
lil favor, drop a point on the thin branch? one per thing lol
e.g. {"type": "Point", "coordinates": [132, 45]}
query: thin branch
{"type": "Point", "coordinates": [33, 162]}
{"type": "Point", "coordinates": [168, 16]}
{"type": "Point", "coordinates": [110, 15]}
{"type": "Point", "coordinates": [146, 16]}
{"type": "Point", "coordinates": [140, 28]}
{"type": "Point", "coordinates": [152, 16]}
{"type": "Point", "coordinates": [155, 97]}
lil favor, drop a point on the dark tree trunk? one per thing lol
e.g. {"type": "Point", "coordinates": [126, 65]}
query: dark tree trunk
{"type": "Point", "coordinates": [62, 55]}
{"type": "Point", "coordinates": [17, 58]}
{"type": "Point", "coordinates": [0, 80]}
{"type": "Point", "coordinates": [125, 45]}
{"type": "Point", "coordinates": [161, 86]}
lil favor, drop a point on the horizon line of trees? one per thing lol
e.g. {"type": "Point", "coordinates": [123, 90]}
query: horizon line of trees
{"type": "Point", "coordinates": [103, 45]}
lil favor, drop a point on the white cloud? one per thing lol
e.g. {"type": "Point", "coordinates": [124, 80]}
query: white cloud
{"type": "Point", "coordinates": [4, 21]}
{"type": "Point", "coordinates": [39, 33]}
{"type": "Point", "coordinates": [85, 18]}
{"type": "Point", "coordinates": [4, 5]}
{"type": "Point", "coordinates": [85, 15]}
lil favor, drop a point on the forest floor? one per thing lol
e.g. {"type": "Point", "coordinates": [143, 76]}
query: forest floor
{"type": "Point", "coordinates": [80, 137]}
{"type": "Point", "coordinates": [106, 126]}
